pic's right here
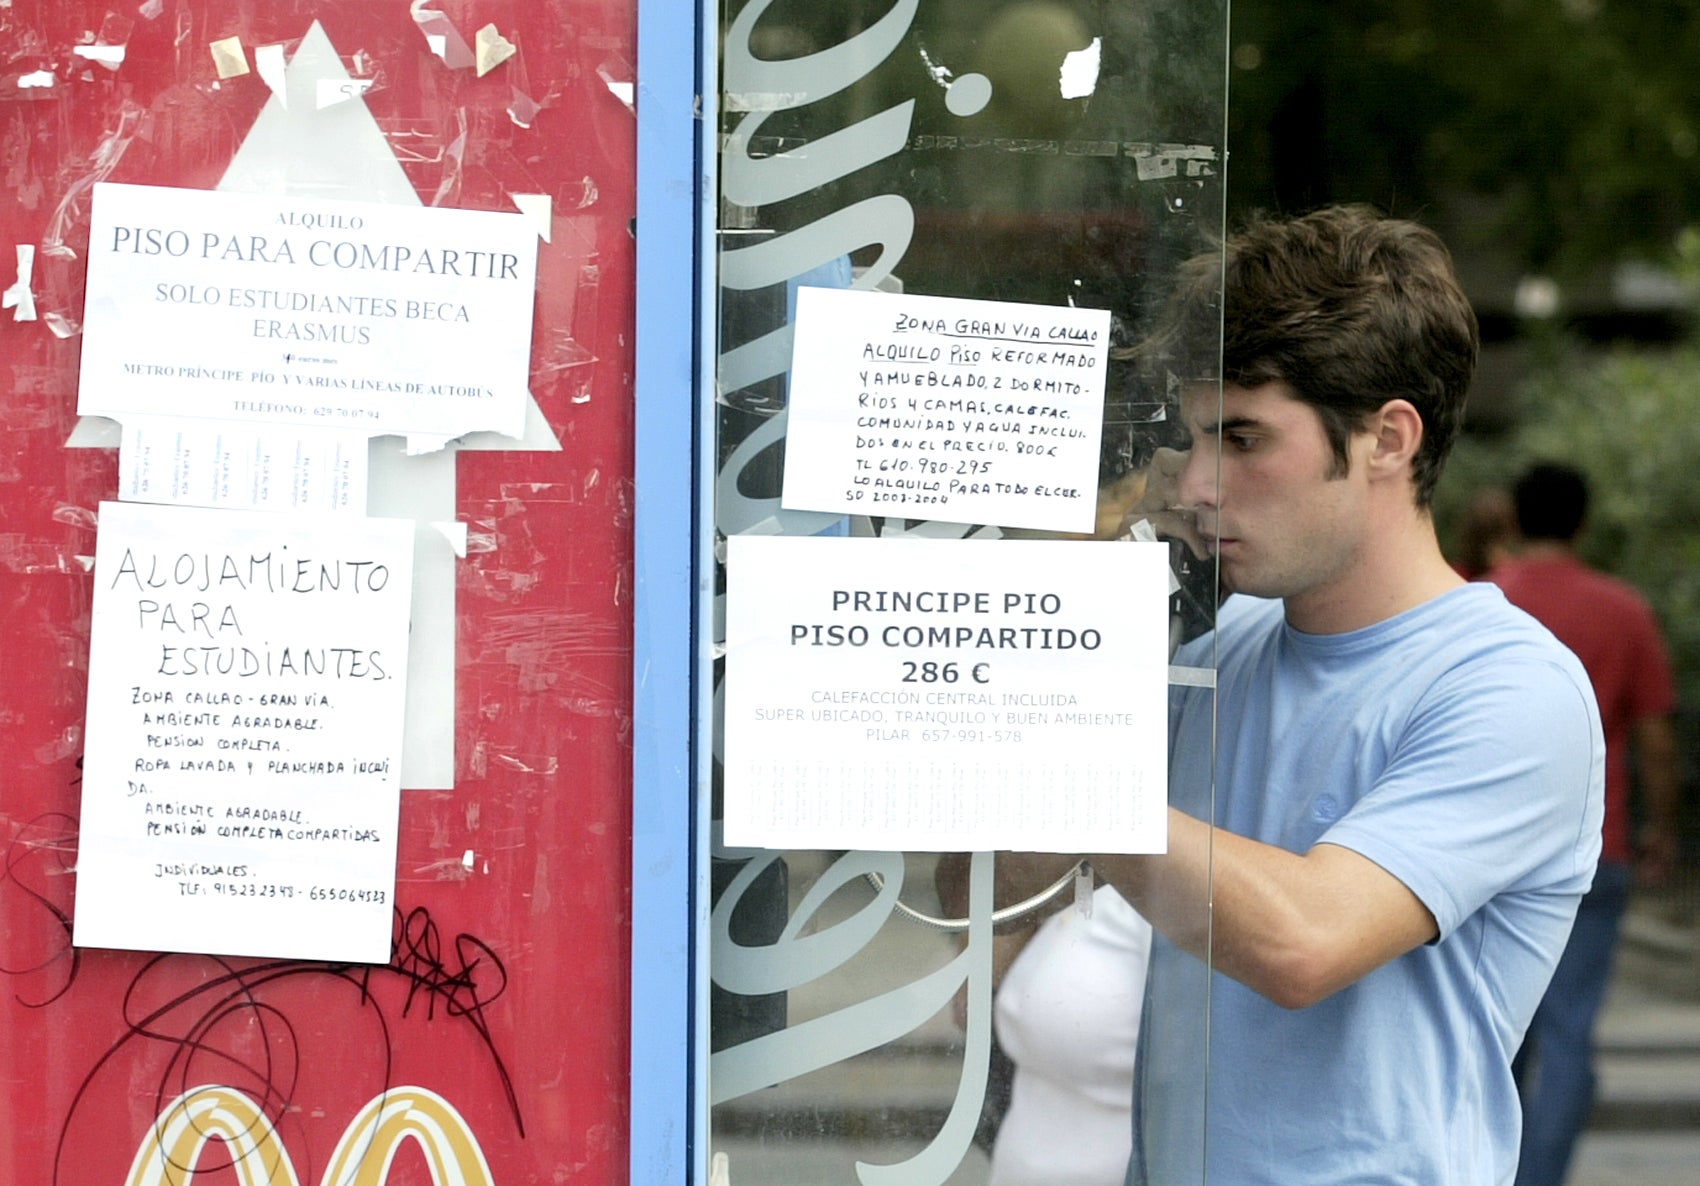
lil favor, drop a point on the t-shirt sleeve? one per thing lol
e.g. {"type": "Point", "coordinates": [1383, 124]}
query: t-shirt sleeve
{"type": "Point", "coordinates": [1495, 783]}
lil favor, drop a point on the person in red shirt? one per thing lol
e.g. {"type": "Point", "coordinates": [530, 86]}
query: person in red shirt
{"type": "Point", "coordinates": [1613, 631]}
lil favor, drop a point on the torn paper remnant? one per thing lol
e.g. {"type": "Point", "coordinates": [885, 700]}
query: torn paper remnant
{"type": "Point", "coordinates": [493, 49]}
{"type": "Point", "coordinates": [229, 59]}
{"type": "Point", "coordinates": [20, 296]}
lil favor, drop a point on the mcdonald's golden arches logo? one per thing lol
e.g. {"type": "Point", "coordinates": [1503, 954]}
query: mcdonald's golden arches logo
{"type": "Point", "coordinates": [362, 1157]}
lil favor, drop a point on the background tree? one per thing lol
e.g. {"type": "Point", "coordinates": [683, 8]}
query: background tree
{"type": "Point", "coordinates": [1562, 134]}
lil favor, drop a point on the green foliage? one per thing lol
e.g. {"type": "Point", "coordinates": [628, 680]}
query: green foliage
{"type": "Point", "coordinates": [1570, 129]}
{"type": "Point", "coordinates": [1630, 420]}
{"type": "Point", "coordinates": [1559, 137]}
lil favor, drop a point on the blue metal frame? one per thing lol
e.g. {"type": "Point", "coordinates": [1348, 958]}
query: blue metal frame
{"type": "Point", "coordinates": [674, 219]}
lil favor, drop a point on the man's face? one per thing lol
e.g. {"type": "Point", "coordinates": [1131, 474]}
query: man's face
{"type": "Point", "coordinates": [1280, 518]}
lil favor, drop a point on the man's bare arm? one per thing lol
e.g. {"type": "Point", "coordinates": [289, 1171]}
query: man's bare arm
{"type": "Point", "coordinates": [1656, 764]}
{"type": "Point", "coordinates": [1293, 928]}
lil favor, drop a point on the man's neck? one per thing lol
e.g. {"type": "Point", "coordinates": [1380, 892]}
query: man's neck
{"type": "Point", "coordinates": [1547, 549]}
{"type": "Point", "coordinates": [1401, 568]}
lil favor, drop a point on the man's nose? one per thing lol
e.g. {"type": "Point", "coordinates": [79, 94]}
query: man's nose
{"type": "Point", "coordinates": [1199, 483]}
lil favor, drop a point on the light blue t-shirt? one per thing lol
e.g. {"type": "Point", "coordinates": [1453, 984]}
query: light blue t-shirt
{"type": "Point", "coordinates": [1457, 746]}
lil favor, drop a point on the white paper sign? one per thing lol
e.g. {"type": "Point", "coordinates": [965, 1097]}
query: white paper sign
{"type": "Point", "coordinates": [241, 780]}
{"type": "Point", "coordinates": [942, 408]}
{"type": "Point", "coordinates": [946, 694]}
{"type": "Point", "coordinates": [307, 311]}
{"type": "Point", "coordinates": [206, 463]}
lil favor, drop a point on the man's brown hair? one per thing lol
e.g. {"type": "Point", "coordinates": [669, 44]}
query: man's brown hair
{"type": "Point", "coordinates": [1349, 308]}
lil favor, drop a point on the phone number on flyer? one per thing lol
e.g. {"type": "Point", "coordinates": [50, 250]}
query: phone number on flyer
{"type": "Point", "coordinates": [322, 893]}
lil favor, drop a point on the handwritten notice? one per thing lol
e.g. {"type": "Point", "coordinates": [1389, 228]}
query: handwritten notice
{"type": "Point", "coordinates": [205, 463]}
{"type": "Point", "coordinates": [241, 775]}
{"type": "Point", "coordinates": [946, 694]}
{"type": "Point", "coordinates": [306, 311]}
{"type": "Point", "coordinates": [940, 408]}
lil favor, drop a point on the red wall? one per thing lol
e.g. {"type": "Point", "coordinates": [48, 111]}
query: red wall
{"type": "Point", "coordinates": [507, 993]}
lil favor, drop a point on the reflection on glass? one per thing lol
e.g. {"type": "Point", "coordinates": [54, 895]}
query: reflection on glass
{"type": "Point", "coordinates": [1034, 151]}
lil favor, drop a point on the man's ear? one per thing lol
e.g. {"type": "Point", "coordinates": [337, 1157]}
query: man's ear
{"type": "Point", "coordinates": [1397, 429]}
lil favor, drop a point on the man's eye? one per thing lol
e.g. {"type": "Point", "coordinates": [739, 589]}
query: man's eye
{"type": "Point", "coordinates": [1240, 442]}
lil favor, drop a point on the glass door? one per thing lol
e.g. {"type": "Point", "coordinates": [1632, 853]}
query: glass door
{"type": "Point", "coordinates": [983, 168]}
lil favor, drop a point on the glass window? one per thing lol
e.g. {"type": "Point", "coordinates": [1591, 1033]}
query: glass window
{"type": "Point", "coordinates": [1042, 152]}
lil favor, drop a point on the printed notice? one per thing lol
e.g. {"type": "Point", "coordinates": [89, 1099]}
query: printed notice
{"type": "Point", "coordinates": [208, 463]}
{"type": "Point", "coordinates": [305, 311]}
{"type": "Point", "coordinates": [942, 408]}
{"type": "Point", "coordinates": [946, 695]}
{"type": "Point", "coordinates": [241, 780]}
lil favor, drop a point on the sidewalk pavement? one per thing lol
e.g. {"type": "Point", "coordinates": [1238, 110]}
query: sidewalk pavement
{"type": "Point", "coordinates": [1645, 1127]}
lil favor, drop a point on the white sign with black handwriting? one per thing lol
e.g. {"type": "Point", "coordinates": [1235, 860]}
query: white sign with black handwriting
{"type": "Point", "coordinates": [944, 408]}
{"type": "Point", "coordinates": [946, 695]}
{"type": "Point", "coordinates": [307, 311]}
{"type": "Point", "coordinates": [241, 778]}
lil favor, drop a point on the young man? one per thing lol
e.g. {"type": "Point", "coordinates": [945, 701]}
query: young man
{"type": "Point", "coordinates": [1613, 631]}
{"type": "Point", "coordinates": [1383, 820]}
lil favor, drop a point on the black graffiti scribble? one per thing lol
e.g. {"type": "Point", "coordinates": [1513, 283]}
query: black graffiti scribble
{"type": "Point", "coordinates": [48, 839]}
{"type": "Point", "coordinates": [416, 954]}
{"type": "Point", "coordinates": [457, 979]}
